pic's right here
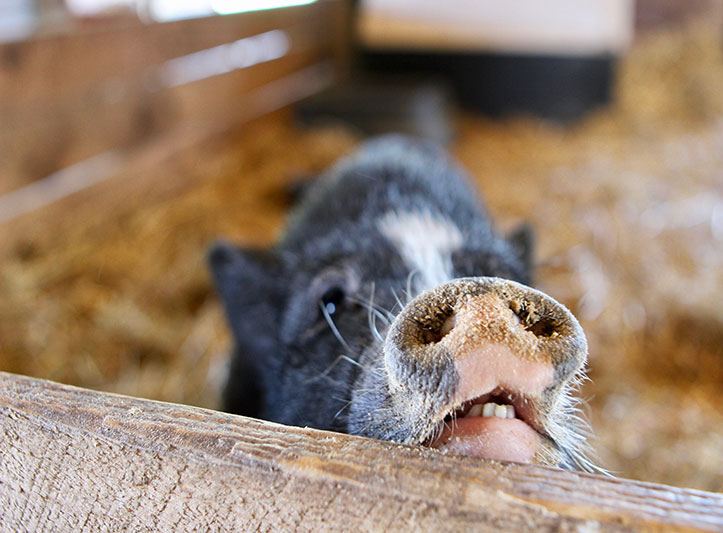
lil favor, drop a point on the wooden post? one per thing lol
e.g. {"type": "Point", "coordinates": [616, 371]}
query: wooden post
{"type": "Point", "coordinates": [77, 460]}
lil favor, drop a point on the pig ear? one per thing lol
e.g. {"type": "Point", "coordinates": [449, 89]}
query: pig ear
{"type": "Point", "coordinates": [522, 239]}
{"type": "Point", "coordinates": [299, 187]}
{"type": "Point", "coordinates": [247, 280]}
{"type": "Point", "coordinates": [234, 267]}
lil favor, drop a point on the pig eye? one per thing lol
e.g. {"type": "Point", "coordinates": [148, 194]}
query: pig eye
{"type": "Point", "coordinates": [332, 299]}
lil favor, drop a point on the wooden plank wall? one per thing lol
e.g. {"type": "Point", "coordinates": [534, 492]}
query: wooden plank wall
{"type": "Point", "coordinates": [66, 98]}
{"type": "Point", "coordinates": [77, 460]}
{"type": "Point", "coordinates": [656, 14]}
{"type": "Point", "coordinates": [110, 106]}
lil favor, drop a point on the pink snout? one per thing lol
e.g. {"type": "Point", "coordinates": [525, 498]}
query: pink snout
{"type": "Point", "coordinates": [489, 355]}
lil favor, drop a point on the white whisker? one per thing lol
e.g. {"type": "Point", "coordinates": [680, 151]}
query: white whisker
{"type": "Point", "coordinates": [345, 406]}
{"type": "Point", "coordinates": [396, 297]}
{"type": "Point", "coordinates": [372, 317]}
{"type": "Point", "coordinates": [410, 278]}
{"type": "Point", "coordinates": [352, 361]}
{"type": "Point", "coordinates": [333, 327]}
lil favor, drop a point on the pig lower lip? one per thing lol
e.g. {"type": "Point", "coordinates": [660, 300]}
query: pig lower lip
{"type": "Point", "coordinates": [491, 438]}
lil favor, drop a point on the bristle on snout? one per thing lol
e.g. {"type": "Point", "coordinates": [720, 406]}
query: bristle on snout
{"type": "Point", "coordinates": [469, 339]}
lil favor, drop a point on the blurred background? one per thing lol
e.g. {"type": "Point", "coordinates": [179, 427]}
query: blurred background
{"type": "Point", "coordinates": [134, 132]}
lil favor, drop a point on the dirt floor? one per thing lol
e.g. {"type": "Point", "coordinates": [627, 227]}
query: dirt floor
{"type": "Point", "coordinates": [628, 210]}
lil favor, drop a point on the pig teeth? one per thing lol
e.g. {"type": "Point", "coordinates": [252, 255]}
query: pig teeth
{"type": "Point", "coordinates": [492, 409]}
{"type": "Point", "coordinates": [475, 411]}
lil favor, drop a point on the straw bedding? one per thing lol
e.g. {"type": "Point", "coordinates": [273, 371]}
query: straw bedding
{"type": "Point", "coordinates": [628, 211]}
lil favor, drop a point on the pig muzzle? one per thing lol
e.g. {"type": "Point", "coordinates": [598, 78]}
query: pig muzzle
{"type": "Point", "coordinates": [484, 361]}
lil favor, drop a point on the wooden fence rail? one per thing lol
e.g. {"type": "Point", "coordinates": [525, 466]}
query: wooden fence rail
{"type": "Point", "coordinates": [78, 460]}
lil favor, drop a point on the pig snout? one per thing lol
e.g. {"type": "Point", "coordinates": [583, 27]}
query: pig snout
{"type": "Point", "coordinates": [489, 362]}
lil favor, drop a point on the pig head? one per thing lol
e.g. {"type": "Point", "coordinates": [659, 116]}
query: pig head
{"type": "Point", "coordinates": [391, 308]}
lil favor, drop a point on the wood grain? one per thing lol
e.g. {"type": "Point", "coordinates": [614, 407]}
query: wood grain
{"type": "Point", "coordinates": [79, 460]}
{"type": "Point", "coordinates": [125, 179]}
{"type": "Point", "coordinates": [69, 97]}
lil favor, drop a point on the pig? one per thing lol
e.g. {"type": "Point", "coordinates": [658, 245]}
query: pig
{"type": "Point", "coordinates": [391, 308]}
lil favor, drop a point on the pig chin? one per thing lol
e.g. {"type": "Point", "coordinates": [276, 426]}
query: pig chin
{"type": "Point", "coordinates": [491, 438]}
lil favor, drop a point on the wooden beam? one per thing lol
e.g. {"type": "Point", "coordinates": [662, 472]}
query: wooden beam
{"type": "Point", "coordinates": [78, 460]}
{"type": "Point", "coordinates": [69, 97]}
{"type": "Point", "coordinates": [44, 69]}
{"type": "Point", "coordinates": [120, 180]}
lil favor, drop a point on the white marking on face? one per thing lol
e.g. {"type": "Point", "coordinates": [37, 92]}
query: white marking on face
{"type": "Point", "coordinates": [426, 242]}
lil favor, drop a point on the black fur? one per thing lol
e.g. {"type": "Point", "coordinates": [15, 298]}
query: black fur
{"type": "Point", "coordinates": [288, 366]}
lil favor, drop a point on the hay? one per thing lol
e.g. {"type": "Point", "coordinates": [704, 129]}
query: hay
{"type": "Point", "coordinates": [629, 213]}
{"type": "Point", "coordinates": [628, 210]}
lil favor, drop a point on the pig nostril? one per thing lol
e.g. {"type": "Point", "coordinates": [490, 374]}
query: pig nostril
{"type": "Point", "coordinates": [434, 333]}
{"type": "Point", "coordinates": [448, 325]}
{"type": "Point", "coordinates": [531, 320]}
{"type": "Point", "coordinates": [543, 328]}
{"type": "Point", "coordinates": [431, 336]}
